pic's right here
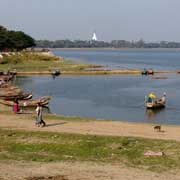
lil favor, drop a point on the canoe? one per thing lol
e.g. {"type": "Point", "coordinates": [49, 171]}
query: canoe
{"type": "Point", "coordinates": [6, 77]}
{"type": "Point", "coordinates": [147, 72]}
{"type": "Point", "coordinates": [153, 104]}
{"type": "Point", "coordinates": [150, 72]}
{"type": "Point", "coordinates": [28, 103]}
{"type": "Point", "coordinates": [55, 72]}
{"type": "Point", "coordinates": [9, 94]}
{"type": "Point", "coordinates": [24, 96]}
{"type": "Point", "coordinates": [144, 72]}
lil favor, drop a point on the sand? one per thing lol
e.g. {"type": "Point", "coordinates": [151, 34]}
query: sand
{"type": "Point", "coordinates": [110, 128]}
{"type": "Point", "coordinates": [85, 170]}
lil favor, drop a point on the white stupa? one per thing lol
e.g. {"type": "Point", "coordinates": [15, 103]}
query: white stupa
{"type": "Point", "coordinates": [94, 37]}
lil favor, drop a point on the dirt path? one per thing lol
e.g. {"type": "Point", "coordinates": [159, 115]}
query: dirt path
{"type": "Point", "coordinates": [78, 171]}
{"type": "Point", "coordinates": [93, 127]}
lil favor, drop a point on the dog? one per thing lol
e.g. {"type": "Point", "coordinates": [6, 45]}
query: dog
{"type": "Point", "coordinates": [157, 128]}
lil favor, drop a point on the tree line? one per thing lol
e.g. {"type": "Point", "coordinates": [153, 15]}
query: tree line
{"type": "Point", "coordinates": [18, 40]}
{"type": "Point", "coordinates": [14, 40]}
{"type": "Point", "coordinates": [101, 44]}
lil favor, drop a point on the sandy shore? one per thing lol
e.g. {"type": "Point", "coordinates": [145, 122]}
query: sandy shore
{"type": "Point", "coordinates": [13, 170]}
{"type": "Point", "coordinates": [109, 128]}
{"type": "Point", "coordinates": [85, 170]}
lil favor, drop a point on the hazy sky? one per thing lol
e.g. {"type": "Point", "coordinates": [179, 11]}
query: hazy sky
{"type": "Point", "coordinates": [152, 20]}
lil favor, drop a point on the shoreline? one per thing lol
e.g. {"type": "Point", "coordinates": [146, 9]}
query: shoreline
{"type": "Point", "coordinates": [40, 67]}
{"type": "Point", "coordinates": [86, 148]}
{"type": "Point", "coordinates": [120, 49]}
{"type": "Point", "coordinates": [91, 127]}
{"type": "Point", "coordinates": [98, 72]}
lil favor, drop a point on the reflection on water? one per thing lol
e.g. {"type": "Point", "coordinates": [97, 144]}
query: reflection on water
{"type": "Point", "coordinates": [151, 114]}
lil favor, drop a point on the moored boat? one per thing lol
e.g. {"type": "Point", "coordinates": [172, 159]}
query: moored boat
{"type": "Point", "coordinates": [55, 72]}
{"type": "Point", "coordinates": [44, 101]}
{"type": "Point", "coordinates": [147, 72]}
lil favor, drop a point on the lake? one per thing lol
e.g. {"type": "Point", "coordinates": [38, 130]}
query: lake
{"type": "Point", "coordinates": [116, 97]}
{"type": "Point", "coordinates": [124, 59]}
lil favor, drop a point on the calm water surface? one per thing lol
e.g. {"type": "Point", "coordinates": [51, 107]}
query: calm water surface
{"type": "Point", "coordinates": [156, 59]}
{"type": "Point", "coordinates": [107, 97]}
{"type": "Point", "coordinates": [117, 97]}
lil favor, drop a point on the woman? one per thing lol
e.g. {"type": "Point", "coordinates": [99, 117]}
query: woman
{"type": "Point", "coordinates": [39, 120]}
{"type": "Point", "coordinates": [16, 106]}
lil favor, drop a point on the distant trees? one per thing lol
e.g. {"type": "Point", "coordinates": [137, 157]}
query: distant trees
{"type": "Point", "coordinates": [71, 44]}
{"type": "Point", "coordinates": [101, 44]}
{"type": "Point", "coordinates": [14, 40]}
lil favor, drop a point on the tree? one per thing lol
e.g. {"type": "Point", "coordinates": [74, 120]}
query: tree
{"type": "Point", "coordinates": [14, 40]}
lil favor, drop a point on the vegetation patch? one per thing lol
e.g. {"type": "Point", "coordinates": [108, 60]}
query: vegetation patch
{"type": "Point", "coordinates": [39, 62]}
{"type": "Point", "coordinates": [54, 147]}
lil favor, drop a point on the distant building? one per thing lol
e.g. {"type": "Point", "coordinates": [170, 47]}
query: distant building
{"type": "Point", "coordinates": [94, 37]}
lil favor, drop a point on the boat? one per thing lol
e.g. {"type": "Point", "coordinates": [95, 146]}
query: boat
{"type": "Point", "coordinates": [6, 77]}
{"type": "Point", "coordinates": [147, 72]}
{"type": "Point", "coordinates": [44, 101]}
{"type": "Point", "coordinates": [14, 94]}
{"type": "Point", "coordinates": [150, 72]}
{"type": "Point", "coordinates": [55, 72]}
{"type": "Point", "coordinates": [152, 103]}
{"type": "Point", "coordinates": [144, 72]}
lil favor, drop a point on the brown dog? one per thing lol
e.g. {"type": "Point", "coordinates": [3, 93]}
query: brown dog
{"type": "Point", "coordinates": [157, 128]}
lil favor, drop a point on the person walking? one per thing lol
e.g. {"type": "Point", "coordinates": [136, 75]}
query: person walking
{"type": "Point", "coordinates": [39, 121]}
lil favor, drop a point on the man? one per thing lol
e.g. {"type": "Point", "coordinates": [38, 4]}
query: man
{"type": "Point", "coordinates": [39, 120]}
{"type": "Point", "coordinates": [163, 98]}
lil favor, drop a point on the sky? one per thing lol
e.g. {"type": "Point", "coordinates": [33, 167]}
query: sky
{"type": "Point", "coordinates": [151, 20]}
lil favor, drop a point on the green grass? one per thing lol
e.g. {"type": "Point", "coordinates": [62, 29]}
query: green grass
{"type": "Point", "coordinates": [32, 62]}
{"type": "Point", "coordinates": [47, 147]}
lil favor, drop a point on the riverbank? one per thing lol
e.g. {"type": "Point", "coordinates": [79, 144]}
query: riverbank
{"type": "Point", "coordinates": [31, 63]}
{"type": "Point", "coordinates": [70, 147]}
{"type": "Point", "coordinates": [80, 148]}
{"type": "Point", "coordinates": [77, 125]}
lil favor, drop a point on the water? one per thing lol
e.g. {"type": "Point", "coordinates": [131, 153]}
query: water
{"type": "Point", "coordinates": [116, 97]}
{"type": "Point", "coordinates": [156, 59]}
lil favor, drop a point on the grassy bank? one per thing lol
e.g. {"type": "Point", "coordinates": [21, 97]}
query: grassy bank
{"type": "Point", "coordinates": [29, 63]}
{"type": "Point", "coordinates": [40, 63]}
{"type": "Point", "coordinates": [54, 147]}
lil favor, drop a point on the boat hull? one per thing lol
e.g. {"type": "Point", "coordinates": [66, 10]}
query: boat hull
{"type": "Point", "coordinates": [44, 101]}
{"type": "Point", "coordinates": [155, 105]}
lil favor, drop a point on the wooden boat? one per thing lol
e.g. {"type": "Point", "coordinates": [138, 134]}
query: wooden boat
{"type": "Point", "coordinates": [28, 103]}
{"type": "Point", "coordinates": [6, 77]}
{"type": "Point", "coordinates": [144, 72]}
{"type": "Point", "coordinates": [10, 92]}
{"type": "Point", "coordinates": [153, 104]}
{"type": "Point", "coordinates": [147, 72]}
{"type": "Point", "coordinates": [55, 72]}
{"type": "Point", "coordinates": [21, 96]}
{"type": "Point", "coordinates": [150, 72]}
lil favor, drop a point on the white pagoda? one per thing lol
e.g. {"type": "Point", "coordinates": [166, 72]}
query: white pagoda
{"type": "Point", "coordinates": [94, 37]}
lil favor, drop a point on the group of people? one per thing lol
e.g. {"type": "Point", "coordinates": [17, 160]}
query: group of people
{"type": "Point", "coordinates": [39, 120]}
